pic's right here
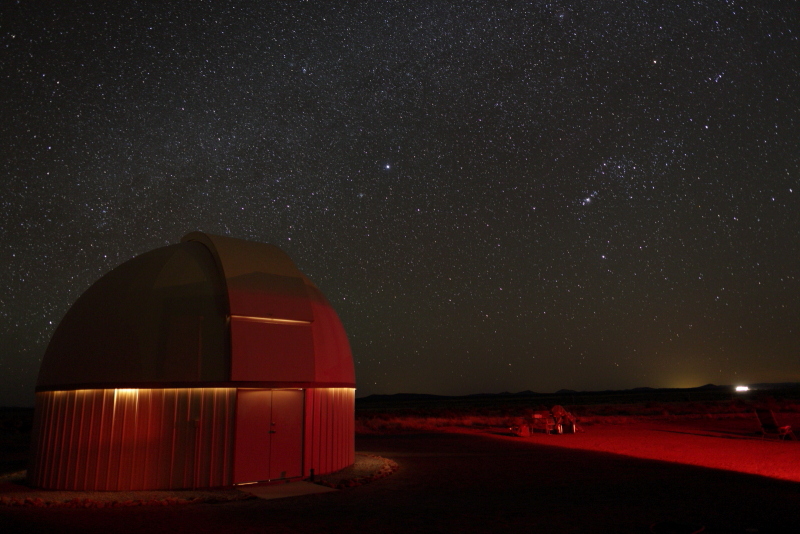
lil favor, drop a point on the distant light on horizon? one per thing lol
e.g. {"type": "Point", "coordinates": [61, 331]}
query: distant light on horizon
{"type": "Point", "coordinates": [742, 388]}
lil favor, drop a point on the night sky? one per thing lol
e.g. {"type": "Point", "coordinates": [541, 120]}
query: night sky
{"type": "Point", "coordinates": [495, 196]}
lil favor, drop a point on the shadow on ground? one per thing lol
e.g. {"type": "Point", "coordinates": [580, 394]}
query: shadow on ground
{"type": "Point", "coordinates": [474, 483]}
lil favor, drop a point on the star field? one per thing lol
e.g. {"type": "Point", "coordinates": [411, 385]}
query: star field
{"type": "Point", "coordinates": [495, 196]}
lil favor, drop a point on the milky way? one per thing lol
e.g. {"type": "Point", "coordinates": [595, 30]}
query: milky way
{"type": "Point", "coordinates": [493, 195]}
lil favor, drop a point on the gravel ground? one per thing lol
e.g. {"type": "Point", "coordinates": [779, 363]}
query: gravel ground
{"type": "Point", "coordinates": [366, 468]}
{"type": "Point", "coordinates": [14, 492]}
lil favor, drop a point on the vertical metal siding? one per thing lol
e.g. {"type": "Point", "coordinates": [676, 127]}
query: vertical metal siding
{"type": "Point", "coordinates": [133, 439]}
{"type": "Point", "coordinates": [330, 429]}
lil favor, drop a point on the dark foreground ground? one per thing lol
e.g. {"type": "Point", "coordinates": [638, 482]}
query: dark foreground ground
{"type": "Point", "coordinates": [460, 482]}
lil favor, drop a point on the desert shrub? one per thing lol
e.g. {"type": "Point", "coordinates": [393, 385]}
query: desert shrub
{"type": "Point", "coordinates": [504, 414]}
{"type": "Point", "coordinates": [791, 406]}
{"type": "Point", "coordinates": [657, 409]}
{"type": "Point", "coordinates": [415, 423]}
{"type": "Point", "coordinates": [578, 411]}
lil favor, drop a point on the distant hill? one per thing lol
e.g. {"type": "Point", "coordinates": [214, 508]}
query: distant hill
{"type": "Point", "coordinates": [569, 393]}
{"type": "Point", "coordinates": [403, 397]}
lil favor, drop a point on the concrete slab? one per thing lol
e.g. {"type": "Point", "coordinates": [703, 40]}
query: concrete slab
{"type": "Point", "coordinates": [279, 491]}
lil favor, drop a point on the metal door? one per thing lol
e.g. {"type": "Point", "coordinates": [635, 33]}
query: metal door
{"type": "Point", "coordinates": [286, 443]}
{"type": "Point", "coordinates": [269, 435]}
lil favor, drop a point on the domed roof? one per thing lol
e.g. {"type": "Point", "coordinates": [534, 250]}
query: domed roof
{"type": "Point", "coordinates": [209, 311]}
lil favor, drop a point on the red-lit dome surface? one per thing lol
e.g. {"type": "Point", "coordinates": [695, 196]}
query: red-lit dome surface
{"type": "Point", "coordinates": [207, 363]}
{"type": "Point", "coordinates": [211, 310]}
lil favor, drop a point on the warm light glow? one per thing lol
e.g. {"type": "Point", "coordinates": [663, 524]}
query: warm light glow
{"type": "Point", "coordinates": [742, 388]}
{"type": "Point", "coordinates": [268, 320]}
{"type": "Point", "coordinates": [125, 393]}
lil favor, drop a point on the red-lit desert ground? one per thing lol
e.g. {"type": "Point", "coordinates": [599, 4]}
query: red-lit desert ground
{"type": "Point", "coordinates": [689, 472]}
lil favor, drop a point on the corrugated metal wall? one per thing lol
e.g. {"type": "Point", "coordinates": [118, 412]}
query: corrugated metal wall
{"type": "Point", "coordinates": [330, 429]}
{"type": "Point", "coordinates": [120, 439]}
{"type": "Point", "coordinates": [129, 439]}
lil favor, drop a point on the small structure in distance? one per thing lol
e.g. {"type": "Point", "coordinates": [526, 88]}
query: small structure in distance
{"type": "Point", "coordinates": [207, 363]}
